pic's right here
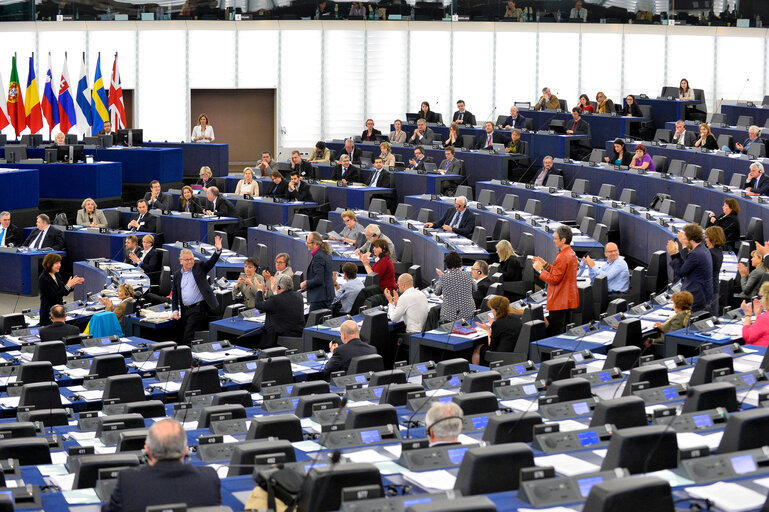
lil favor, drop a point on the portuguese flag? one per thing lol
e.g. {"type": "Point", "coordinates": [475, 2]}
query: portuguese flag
{"type": "Point", "coordinates": [15, 102]}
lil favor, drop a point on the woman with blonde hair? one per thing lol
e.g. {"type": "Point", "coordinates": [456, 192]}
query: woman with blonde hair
{"type": "Point", "coordinates": [248, 185]}
{"type": "Point", "coordinates": [751, 279]}
{"type": "Point", "coordinates": [508, 262]}
{"type": "Point", "coordinates": [502, 329]}
{"type": "Point", "coordinates": [757, 333]}
{"type": "Point", "coordinates": [187, 201]}
{"type": "Point", "coordinates": [388, 159]}
{"type": "Point", "coordinates": [206, 178]}
{"type": "Point", "coordinates": [707, 139]}
{"type": "Point", "coordinates": [125, 294]}
{"type": "Point", "coordinates": [90, 216]}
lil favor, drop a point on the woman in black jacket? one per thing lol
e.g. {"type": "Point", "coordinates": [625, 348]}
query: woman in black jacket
{"type": "Point", "coordinates": [714, 240]}
{"type": "Point", "coordinates": [729, 222]}
{"type": "Point", "coordinates": [631, 108]}
{"type": "Point", "coordinates": [428, 115]}
{"type": "Point", "coordinates": [707, 139]}
{"type": "Point", "coordinates": [508, 262]}
{"type": "Point", "coordinates": [502, 330]}
{"type": "Point", "coordinates": [52, 287]}
{"type": "Point", "coordinates": [620, 154]}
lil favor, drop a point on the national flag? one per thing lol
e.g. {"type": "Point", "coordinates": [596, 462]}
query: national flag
{"type": "Point", "coordinates": [67, 115]}
{"type": "Point", "coordinates": [4, 119]}
{"type": "Point", "coordinates": [50, 103]}
{"type": "Point", "coordinates": [32, 111]}
{"type": "Point", "coordinates": [15, 102]}
{"type": "Point", "coordinates": [83, 102]}
{"type": "Point", "coordinates": [116, 106]}
{"type": "Point", "coordinates": [99, 112]}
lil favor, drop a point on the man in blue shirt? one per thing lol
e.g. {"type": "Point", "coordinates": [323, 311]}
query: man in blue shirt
{"type": "Point", "coordinates": [696, 269]}
{"type": "Point", "coordinates": [348, 292]}
{"type": "Point", "coordinates": [615, 269]}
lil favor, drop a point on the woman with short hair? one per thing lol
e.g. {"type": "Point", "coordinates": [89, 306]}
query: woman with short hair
{"type": "Point", "coordinates": [89, 216]}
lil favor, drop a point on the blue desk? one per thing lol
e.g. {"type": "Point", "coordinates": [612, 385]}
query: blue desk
{"type": "Point", "coordinates": [177, 228]}
{"type": "Point", "coordinates": [438, 346]}
{"type": "Point", "coordinates": [20, 271]}
{"type": "Point", "coordinates": [235, 326]}
{"type": "Point", "coordinates": [196, 155]}
{"type": "Point", "coordinates": [142, 165]}
{"type": "Point", "coordinates": [222, 267]}
{"type": "Point", "coordinates": [664, 110]}
{"type": "Point", "coordinates": [99, 180]}
{"type": "Point", "coordinates": [19, 189]}
{"type": "Point", "coordinates": [759, 113]}
{"type": "Point", "coordinates": [738, 135]}
{"type": "Point", "coordinates": [352, 197]}
{"type": "Point", "coordinates": [88, 243]}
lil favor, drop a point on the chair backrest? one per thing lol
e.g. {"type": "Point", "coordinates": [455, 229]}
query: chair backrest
{"type": "Point", "coordinates": [525, 245]}
{"type": "Point", "coordinates": [468, 141]}
{"type": "Point", "coordinates": [657, 273]}
{"type": "Point", "coordinates": [40, 395]}
{"type": "Point", "coordinates": [587, 225]}
{"type": "Point", "coordinates": [37, 371]}
{"type": "Point", "coordinates": [663, 135]}
{"type": "Point", "coordinates": [668, 207]}
{"type": "Point", "coordinates": [426, 215]}
{"type": "Point", "coordinates": [601, 233]}
{"type": "Point", "coordinates": [511, 202]}
{"type": "Point", "coordinates": [501, 230]}
{"type": "Point", "coordinates": [239, 246]}
{"type": "Point", "coordinates": [717, 118]}
{"type": "Point", "coordinates": [532, 330]}
{"type": "Point", "coordinates": [301, 221]}
{"type": "Point", "coordinates": [755, 230]}
{"type": "Point", "coordinates": [693, 213]}
{"type": "Point", "coordinates": [660, 162]}
{"type": "Point", "coordinates": [377, 205]}
{"type": "Point", "coordinates": [600, 295]}
{"type": "Point", "coordinates": [223, 235]}
{"type": "Point", "coordinates": [757, 149]}
{"type": "Point", "coordinates": [738, 180]}
{"type": "Point", "coordinates": [465, 190]}
{"type": "Point", "coordinates": [581, 186]}
{"type": "Point", "coordinates": [533, 206]}
{"type": "Point", "coordinates": [109, 365]}
{"type": "Point", "coordinates": [404, 211]}
{"type": "Point", "coordinates": [637, 289]}
{"type": "Point", "coordinates": [693, 171]}
{"type": "Point", "coordinates": [608, 191]}
{"type": "Point", "coordinates": [479, 235]}
{"type": "Point", "coordinates": [177, 358]}
{"type": "Point", "coordinates": [554, 180]}
{"type": "Point", "coordinates": [611, 219]}
{"type": "Point", "coordinates": [717, 176]}
{"type": "Point", "coordinates": [164, 283]}
{"type": "Point", "coordinates": [53, 351]}
{"type": "Point", "coordinates": [629, 196]}
{"type": "Point", "coordinates": [406, 253]}
{"type": "Point", "coordinates": [487, 197]}
{"type": "Point", "coordinates": [726, 140]}
{"type": "Point", "coordinates": [126, 388]}
{"type": "Point", "coordinates": [676, 167]}
{"type": "Point", "coordinates": [597, 155]}
{"type": "Point", "coordinates": [367, 363]}
{"type": "Point", "coordinates": [744, 121]}
{"type": "Point", "coordinates": [205, 379]}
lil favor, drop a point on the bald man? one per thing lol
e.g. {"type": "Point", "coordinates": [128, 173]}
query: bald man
{"type": "Point", "coordinates": [615, 269]}
{"type": "Point", "coordinates": [410, 306]}
{"type": "Point", "coordinates": [351, 346]}
{"type": "Point", "coordinates": [165, 478]}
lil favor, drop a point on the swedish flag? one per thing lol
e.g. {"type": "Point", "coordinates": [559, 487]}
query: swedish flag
{"type": "Point", "coordinates": [99, 111]}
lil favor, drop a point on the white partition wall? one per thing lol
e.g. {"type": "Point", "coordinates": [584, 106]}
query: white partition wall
{"type": "Point", "coordinates": [332, 75]}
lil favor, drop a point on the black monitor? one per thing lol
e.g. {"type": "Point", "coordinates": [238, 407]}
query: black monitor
{"type": "Point", "coordinates": [70, 138]}
{"type": "Point", "coordinates": [89, 466]}
{"type": "Point", "coordinates": [71, 153]}
{"type": "Point", "coordinates": [634, 494]}
{"type": "Point", "coordinates": [323, 488]}
{"type": "Point", "coordinates": [11, 321]}
{"type": "Point", "coordinates": [130, 137]}
{"type": "Point", "coordinates": [15, 154]}
{"type": "Point", "coordinates": [32, 140]}
{"type": "Point", "coordinates": [106, 141]}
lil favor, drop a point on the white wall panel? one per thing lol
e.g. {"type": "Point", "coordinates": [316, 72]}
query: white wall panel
{"type": "Point", "coordinates": [600, 52]}
{"type": "Point", "coordinates": [108, 42]}
{"type": "Point", "coordinates": [429, 73]}
{"type": "Point", "coordinates": [343, 84]}
{"type": "Point", "coordinates": [386, 77]}
{"type": "Point", "coordinates": [162, 91]}
{"type": "Point", "coordinates": [640, 77]}
{"type": "Point", "coordinates": [559, 69]}
{"type": "Point", "coordinates": [740, 77]}
{"type": "Point", "coordinates": [258, 58]}
{"type": "Point", "coordinates": [684, 64]}
{"type": "Point", "coordinates": [300, 88]}
{"type": "Point", "coordinates": [473, 76]}
{"type": "Point", "coordinates": [515, 64]}
{"type": "Point", "coordinates": [212, 59]}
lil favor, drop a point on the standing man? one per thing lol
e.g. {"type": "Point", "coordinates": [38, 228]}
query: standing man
{"type": "Point", "coordinates": [10, 235]}
{"type": "Point", "coordinates": [411, 306]}
{"type": "Point", "coordinates": [192, 298]}
{"type": "Point", "coordinates": [144, 220]}
{"type": "Point", "coordinates": [44, 235]}
{"type": "Point", "coordinates": [615, 270]}
{"type": "Point", "coordinates": [463, 116]}
{"type": "Point", "coordinates": [696, 270]}
{"type": "Point", "coordinates": [561, 277]}
{"type": "Point", "coordinates": [156, 198]}
{"type": "Point", "coordinates": [319, 283]}
{"type": "Point", "coordinates": [284, 312]}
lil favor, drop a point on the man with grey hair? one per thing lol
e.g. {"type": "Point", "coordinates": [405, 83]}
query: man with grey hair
{"type": "Point", "coordinates": [284, 312]}
{"type": "Point", "coordinates": [547, 169]}
{"type": "Point", "coordinates": [218, 204]}
{"type": "Point", "coordinates": [165, 478]}
{"type": "Point", "coordinates": [351, 346]}
{"type": "Point", "coordinates": [753, 133]}
{"type": "Point", "coordinates": [443, 423]}
{"type": "Point", "coordinates": [757, 183]}
{"type": "Point", "coordinates": [44, 236]}
{"type": "Point", "coordinates": [458, 220]}
{"type": "Point", "coordinates": [422, 135]}
{"type": "Point", "coordinates": [10, 235]}
{"type": "Point", "coordinates": [282, 267]}
{"type": "Point", "coordinates": [351, 150]}
{"type": "Point", "coordinates": [373, 233]}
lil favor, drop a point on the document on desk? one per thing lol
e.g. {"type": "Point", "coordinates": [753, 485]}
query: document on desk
{"type": "Point", "coordinates": [81, 496]}
{"type": "Point", "coordinates": [693, 440]}
{"type": "Point", "coordinates": [221, 355]}
{"type": "Point", "coordinates": [553, 509]}
{"type": "Point", "coordinates": [431, 481]}
{"type": "Point", "coordinates": [566, 465]}
{"type": "Point", "coordinates": [240, 377]}
{"type": "Point", "coordinates": [751, 398]}
{"type": "Point", "coordinates": [729, 497]}
{"type": "Point", "coordinates": [520, 404]}
{"type": "Point", "coordinates": [733, 330]}
{"type": "Point", "coordinates": [370, 456]}
{"type": "Point", "coordinates": [604, 337]}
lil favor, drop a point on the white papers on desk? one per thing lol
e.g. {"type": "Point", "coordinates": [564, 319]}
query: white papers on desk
{"type": "Point", "coordinates": [647, 325]}
{"type": "Point", "coordinates": [168, 387]}
{"type": "Point", "coordinates": [693, 440]}
{"type": "Point", "coordinates": [553, 509]}
{"type": "Point", "coordinates": [258, 319]}
{"type": "Point", "coordinates": [681, 377]}
{"type": "Point", "coordinates": [603, 337]}
{"type": "Point", "coordinates": [9, 402]}
{"type": "Point", "coordinates": [240, 377]}
{"type": "Point", "coordinates": [5, 380]}
{"type": "Point", "coordinates": [298, 368]}
{"type": "Point", "coordinates": [221, 355]}
{"type": "Point", "coordinates": [91, 394]}
{"type": "Point", "coordinates": [370, 456]}
{"type": "Point", "coordinates": [431, 481]}
{"type": "Point", "coordinates": [520, 404]}
{"type": "Point", "coordinates": [64, 482]}
{"type": "Point", "coordinates": [81, 496]}
{"type": "Point", "coordinates": [113, 348]}
{"type": "Point", "coordinates": [751, 398]}
{"type": "Point", "coordinates": [570, 425]}
{"type": "Point", "coordinates": [566, 465]}
{"type": "Point", "coordinates": [71, 372]}
{"type": "Point", "coordinates": [730, 497]}
{"type": "Point", "coordinates": [743, 365]}
{"type": "Point", "coordinates": [733, 330]}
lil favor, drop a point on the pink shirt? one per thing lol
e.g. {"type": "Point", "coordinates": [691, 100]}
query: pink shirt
{"type": "Point", "coordinates": [758, 332]}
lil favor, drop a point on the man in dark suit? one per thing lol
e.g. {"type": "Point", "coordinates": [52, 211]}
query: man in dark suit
{"type": "Point", "coordinates": [319, 283]}
{"type": "Point", "coordinates": [462, 116]}
{"type": "Point", "coordinates": [218, 204]}
{"type": "Point", "coordinates": [547, 169]}
{"type": "Point", "coordinates": [192, 298]}
{"type": "Point", "coordinates": [284, 312]}
{"type": "Point", "coordinates": [459, 220]}
{"type": "Point", "coordinates": [45, 235]}
{"type": "Point", "coordinates": [165, 478]}
{"type": "Point", "coordinates": [351, 150]}
{"type": "Point", "coordinates": [422, 135]}
{"type": "Point", "coordinates": [486, 140]}
{"type": "Point", "coordinates": [681, 136]}
{"type": "Point", "coordinates": [418, 162]}
{"type": "Point", "coordinates": [278, 187]}
{"type": "Point", "coordinates": [480, 272]}
{"type": "Point", "coordinates": [149, 259]}
{"type": "Point", "coordinates": [298, 190]}
{"type": "Point", "coordinates": [384, 179]}
{"type": "Point", "coordinates": [303, 167]}
{"type": "Point", "coordinates": [143, 220]}
{"type": "Point", "coordinates": [156, 198]}
{"type": "Point", "coordinates": [757, 182]}
{"type": "Point", "coordinates": [352, 346]}
{"type": "Point", "coordinates": [10, 235]}
{"type": "Point", "coordinates": [578, 126]}
{"type": "Point", "coordinates": [58, 329]}
{"type": "Point", "coordinates": [514, 120]}
{"type": "Point", "coordinates": [345, 171]}
{"type": "Point", "coordinates": [451, 165]}
{"type": "Point", "coordinates": [131, 247]}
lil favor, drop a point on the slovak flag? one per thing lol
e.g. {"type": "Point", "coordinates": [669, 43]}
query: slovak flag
{"type": "Point", "coordinates": [67, 115]}
{"type": "Point", "coordinates": [50, 104]}
{"type": "Point", "coordinates": [116, 106]}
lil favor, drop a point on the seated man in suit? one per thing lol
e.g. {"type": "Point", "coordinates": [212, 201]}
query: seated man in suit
{"type": "Point", "coordinates": [351, 150]}
{"type": "Point", "coordinates": [165, 476]}
{"type": "Point", "coordinates": [131, 248]}
{"type": "Point", "coordinates": [422, 135]}
{"type": "Point", "coordinates": [266, 165]}
{"type": "Point", "coordinates": [753, 138]}
{"type": "Point", "coordinates": [486, 140]}
{"type": "Point", "coordinates": [352, 346]}
{"type": "Point", "coordinates": [547, 101]}
{"type": "Point", "coordinates": [149, 259]}
{"type": "Point", "coordinates": [578, 126]}
{"type": "Point", "coordinates": [384, 179]}
{"type": "Point", "coordinates": [143, 220]}
{"type": "Point", "coordinates": [444, 423]}
{"type": "Point", "coordinates": [418, 162]}
{"type": "Point", "coordinates": [10, 235]}
{"type": "Point", "coordinates": [284, 312]}
{"type": "Point", "coordinates": [345, 171]}
{"type": "Point", "coordinates": [303, 167]}
{"type": "Point", "coordinates": [480, 272]}
{"type": "Point", "coordinates": [758, 183]}
{"type": "Point", "coordinates": [45, 236]}
{"type": "Point", "coordinates": [681, 136]}
{"type": "Point", "coordinates": [370, 133]}
{"type": "Point", "coordinates": [218, 204]}
{"type": "Point", "coordinates": [451, 165]}
{"type": "Point", "coordinates": [157, 199]}
{"type": "Point", "coordinates": [298, 190]}
{"type": "Point", "coordinates": [461, 221]}
{"type": "Point", "coordinates": [278, 187]}
{"type": "Point", "coordinates": [462, 116]}
{"type": "Point", "coordinates": [514, 120]}
{"type": "Point", "coordinates": [58, 329]}
{"type": "Point", "coordinates": [373, 233]}
{"type": "Point", "coordinates": [547, 169]}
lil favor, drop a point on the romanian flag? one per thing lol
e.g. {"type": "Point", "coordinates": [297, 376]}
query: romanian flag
{"type": "Point", "coordinates": [32, 111]}
{"type": "Point", "coordinates": [99, 111]}
{"type": "Point", "coordinates": [15, 101]}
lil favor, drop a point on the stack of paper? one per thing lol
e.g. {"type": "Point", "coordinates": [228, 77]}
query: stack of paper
{"type": "Point", "coordinates": [431, 481]}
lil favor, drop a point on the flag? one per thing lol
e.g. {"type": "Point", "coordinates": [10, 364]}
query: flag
{"type": "Point", "coordinates": [33, 113]}
{"type": "Point", "coordinates": [67, 115]}
{"type": "Point", "coordinates": [83, 102]}
{"type": "Point", "coordinates": [99, 112]}
{"type": "Point", "coordinates": [4, 119]}
{"type": "Point", "coordinates": [50, 104]}
{"type": "Point", "coordinates": [15, 102]}
{"type": "Point", "coordinates": [116, 106]}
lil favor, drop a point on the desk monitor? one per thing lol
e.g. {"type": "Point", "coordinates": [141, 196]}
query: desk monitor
{"type": "Point", "coordinates": [324, 486]}
{"type": "Point", "coordinates": [71, 153]}
{"type": "Point", "coordinates": [3, 139]}
{"type": "Point", "coordinates": [11, 321]}
{"type": "Point", "coordinates": [525, 105]}
{"type": "Point", "coordinates": [106, 141]}
{"type": "Point", "coordinates": [411, 117]}
{"type": "Point", "coordinates": [70, 138]}
{"type": "Point", "coordinates": [15, 154]}
{"type": "Point", "coordinates": [32, 140]}
{"type": "Point", "coordinates": [132, 137]}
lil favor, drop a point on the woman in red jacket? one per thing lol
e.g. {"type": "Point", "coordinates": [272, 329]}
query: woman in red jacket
{"type": "Point", "coordinates": [561, 276]}
{"type": "Point", "coordinates": [383, 266]}
{"type": "Point", "coordinates": [757, 333]}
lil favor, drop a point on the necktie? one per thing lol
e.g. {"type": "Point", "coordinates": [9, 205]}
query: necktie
{"type": "Point", "coordinates": [461, 115]}
{"type": "Point", "coordinates": [38, 240]}
{"type": "Point", "coordinates": [574, 127]}
{"type": "Point", "coordinates": [488, 143]}
{"type": "Point", "coordinates": [448, 164]}
{"type": "Point", "coordinates": [375, 178]}
{"type": "Point", "coordinates": [344, 171]}
{"type": "Point", "coordinates": [2, 236]}
{"type": "Point", "coordinates": [455, 220]}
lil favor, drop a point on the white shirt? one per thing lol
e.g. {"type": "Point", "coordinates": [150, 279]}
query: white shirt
{"type": "Point", "coordinates": [37, 243]}
{"type": "Point", "coordinates": [412, 308]}
{"type": "Point", "coordinates": [197, 132]}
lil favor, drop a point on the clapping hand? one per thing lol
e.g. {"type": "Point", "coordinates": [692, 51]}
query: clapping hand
{"type": "Point", "coordinates": [218, 242]}
{"type": "Point", "coordinates": [747, 308]}
{"type": "Point", "coordinates": [590, 262]}
{"type": "Point", "coordinates": [672, 247]}
{"type": "Point", "coordinates": [757, 307]}
{"type": "Point", "coordinates": [74, 280]}
{"type": "Point", "coordinates": [742, 269]}
{"type": "Point", "coordinates": [133, 257]}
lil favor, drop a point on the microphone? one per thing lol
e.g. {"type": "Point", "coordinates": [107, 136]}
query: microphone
{"type": "Point", "coordinates": [579, 341]}
{"type": "Point", "coordinates": [743, 89]}
{"type": "Point", "coordinates": [488, 117]}
{"type": "Point", "coordinates": [410, 421]}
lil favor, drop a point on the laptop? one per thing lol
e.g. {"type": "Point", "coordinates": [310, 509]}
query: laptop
{"type": "Point", "coordinates": [498, 148]}
{"type": "Point", "coordinates": [523, 105]}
